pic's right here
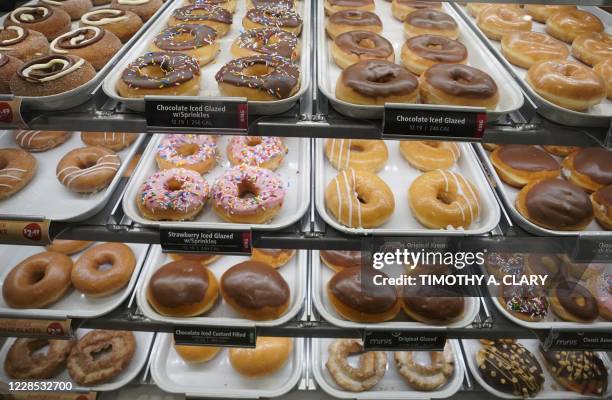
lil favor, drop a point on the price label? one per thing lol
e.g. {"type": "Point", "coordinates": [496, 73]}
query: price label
{"type": "Point", "coordinates": [591, 250]}
{"type": "Point", "coordinates": [403, 340]}
{"type": "Point", "coordinates": [10, 113]}
{"type": "Point", "coordinates": [589, 340]}
{"type": "Point", "coordinates": [34, 233]}
{"type": "Point", "coordinates": [57, 329]}
{"type": "Point", "coordinates": [215, 336]}
{"type": "Point", "coordinates": [206, 241]}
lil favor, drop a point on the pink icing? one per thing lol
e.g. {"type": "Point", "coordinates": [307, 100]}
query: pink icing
{"type": "Point", "coordinates": [269, 148]}
{"type": "Point", "coordinates": [269, 191]}
{"type": "Point", "coordinates": [168, 148]}
{"type": "Point", "coordinates": [156, 194]}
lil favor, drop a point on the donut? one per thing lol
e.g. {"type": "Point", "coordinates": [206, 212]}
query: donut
{"type": "Point", "coordinates": [74, 8]}
{"type": "Point", "coordinates": [475, 8]}
{"type": "Point", "coordinates": [276, 258]}
{"type": "Point", "coordinates": [229, 5]}
{"type": "Point", "coordinates": [359, 199]}
{"type": "Point", "coordinates": [255, 290]}
{"type": "Point", "coordinates": [290, 4]}
{"type": "Point", "coordinates": [100, 2]}
{"type": "Point", "coordinates": [196, 354]}
{"type": "Point", "coordinates": [358, 154]}
{"type": "Point", "coordinates": [259, 78]}
{"type": "Point", "coordinates": [204, 259]}
{"type": "Point", "coordinates": [430, 22]}
{"type": "Point", "coordinates": [51, 22]}
{"type": "Point", "coordinates": [332, 6]}
{"type": "Point", "coordinates": [421, 52]}
{"type": "Point", "coordinates": [269, 356]}
{"type": "Point", "coordinates": [266, 41]}
{"type": "Point", "coordinates": [35, 141]}
{"type": "Point", "coordinates": [444, 199]}
{"type": "Point", "coordinates": [124, 24]}
{"type": "Point", "coordinates": [490, 146]}
{"type": "Point", "coordinates": [87, 169]}
{"type": "Point", "coordinates": [260, 151]}
{"type": "Point", "coordinates": [401, 8]}
{"type": "Point", "coordinates": [571, 301]}
{"type": "Point", "coordinates": [94, 44]}
{"type": "Point", "coordinates": [540, 12]}
{"type": "Point", "coordinates": [17, 168]}
{"type": "Point", "coordinates": [115, 141]}
{"type": "Point", "coordinates": [601, 287]}
{"type": "Point", "coordinates": [195, 40]}
{"type": "Point", "coordinates": [351, 47]}
{"type": "Point", "coordinates": [604, 69]}
{"type": "Point", "coordinates": [352, 20]}
{"type": "Point", "coordinates": [377, 82]}
{"type": "Point", "coordinates": [272, 16]}
{"type": "Point", "coordinates": [602, 206]}
{"type": "Point", "coordinates": [518, 164]}
{"type": "Point", "coordinates": [180, 76]}
{"type": "Point", "coordinates": [339, 260]}
{"type": "Point", "coordinates": [592, 47]}
{"type": "Point", "coordinates": [458, 84]}
{"type": "Point", "coordinates": [209, 15]}
{"type": "Point", "coordinates": [23, 43]}
{"type": "Point", "coordinates": [561, 151]}
{"type": "Point", "coordinates": [525, 49]}
{"type": "Point", "coordinates": [425, 377]}
{"type": "Point", "coordinates": [371, 367]}
{"type": "Point", "coordinates": [182, 288]}
{"type": "Point", "coordinates": [553, 266]}
{"type": "Point", "coordinates": [9, 66]}
{"type": "Point", "coordinates": [25, 361]}
{"type": "Point", "coordinates": [195, 152]}
{"type": "Point", "coordinates": [494, 22]}
{"type": "Point", "coordinates": [589, 167]}
{"type": "Point", "coordinates": [500, 264]}
{"type": "Point", "coordinates": [37, 281]}
{"type": "Point", "coordinates": [145, 9]}
{"type": "Point", "coordinates": [568, 24]}
{"type": "Point", "coordinates": [176, 194]}
{"type": "Point", "coordinates": [579, 371]}
{"type": "Point", "coordinates": [68, 247]}
{"type": "Point", "coordinates": [87, 367]}
{"type": "Point", "coordinates": [430, 155]}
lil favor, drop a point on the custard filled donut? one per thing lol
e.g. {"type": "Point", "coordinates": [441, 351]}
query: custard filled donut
{"type": "Point", "coordinates": [196, 354]}
{"type": "Point", "coordinates": [273, 257]}
{"type": "Point", "coordinates": [332, 6]}
{"type": "Point", "coordinates": [145, 9]}
{"type": "Point", "coordinates": [573, 302]}
{"type": "Point", "coordinates": [260, 151]}
{"type": "Point", "coordinates": [351, 47]}
{"type": "Point", "coordinates": [115, 141]}
{"type": "Point", "coordinates": [339, 260]}
{"type": "Point", "coordinates": [277, 17]}
{"type": "Point", "coordinates": [212, 16]}
{"type": "Point", "coordinates": [430, 22]}
{"type": "Point", "coordinates": [204, 259]}
{"type": "Point", "coordinates": [8, 68]}
{"type": "Point", "coordinates": [458, 84]}
{"type": "Point", "coordinates": [377, 82]}
{"type": "Point", "coordinates": [195, 40]}
{"type": "Point", "coordinates": [290, 4]}
{"type": "Point", "coordinates": [601, 287]}
{"type": "Point", "coordinates": [589, 167]}
{"type": "Point", "coordinates": [561, 151]}
{"type": "Point", "coordinates": [567, 25]}
{"type": "Point", "coordinates": [602, 206]}
{"type": "Point", "coordinates": [37, 281]}
{"type": "Point", "coordinates": [370, 370]}
{"type": "Point", "coordinates": [518, 164]}
{"type": "Point", "coordinates": [74, 8]}
{"type": "Point", "coordinates": [17, 168]}
{"type": "Point", "coordinates": [68, 247]}
{"type": "Point", "coordinates": [475, 8]}
{"type": "Point", "coordinates": [526, 302]}
{"type": "Point", "coordinates": [421, 52]}
{"type": "Point", "coordinates": [592, 47]}
{"type": "Point", "coordinates": [248, 195]}
{"type": "Point", "coordinates": [426, 377]}
{"type": "Point", "coordinates": [528, 48]}
{"type": "Point", "coordinates": [497, 21]}
{"type": "Point", "coordinates": [259, 78]}
{"type": "Point", "coordinates": [604, 69]}
{"type": "Point", "coordinates": [401, 8]}
{"type": "Point", "coordinates": [540, 12]}
{"type": "Point", "coordinates": [35, 141]}
{"type": "Point", "coordinates": [358, 154]}
{"type": "Point", "coordinates": [359, 199]}
{"type": "Point", "coordinates": [352, 20]}
{"type": "Point", "coordinates": [124, 24]}
{"type": "Point", "coordinates": [266, 41]}
{"type": "Point", "coordinates": [23, 43]}
{"type": "Point", "coordinates": [269, 355]}
{"type": "Point", "coordinates": [159, 74]}
{"type": "Point", "coordinates": [176, 194]}
{"type": "Point", "coordinates": [91, 43]}
{"type": "Point", "coordinates": [430, 155]}
{"type": "Point", "coordinates": [41, 18]}
{"type": "Point", "coordinates": [88, 169]}
{"type": "Point", "coordinates": [195, 152]}
{"type": "Point", "coordinates": [24, 361]}
{"type": "Point", "coordinates": [441, 199]}
{"type": "Point", "coordinates": [229, 5]}
{"type": "Point", "coordinates": [182, 289]}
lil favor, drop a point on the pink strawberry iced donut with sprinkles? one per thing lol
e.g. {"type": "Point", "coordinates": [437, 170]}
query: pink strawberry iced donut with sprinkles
{"type": "Point", "coordinates": [194, 152]}
{"type": "Point", "coordinates": [175, 194]}
{"type": "Point", "coordinates": [246, 194]}
{"type": "Point", "coordinates": [262, 151]}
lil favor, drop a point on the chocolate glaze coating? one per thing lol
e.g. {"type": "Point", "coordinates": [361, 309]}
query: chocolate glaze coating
{"type": "Point", "coordinates": [581, 368]}
{"type": "Point", "coordinates": [351, 43]}
{"type": "Point", "coordinates": [270, 41]}
{"type": "Point", "coordinates": [347, 287]}
{"type": "Point", "coordinates": [38, 74]}
{"type": "Point", "coordinates": [524, 299]}
{"type": "Point", "coordinates": [431, 19]}
{"type": "Point", "coordinates": [275, 16]}
{"type": "Point", "coordinates": [439, 303]}
{"type": "Point", "coordinates": [350, 3]}
{"type": "Point", "coordinates": [8, 38]}
{"type": "Point", "coordinates": [255, 285]}
{"type": "Point", "coordinates": [201, 35]}
{"type": "Point", "coordinates": [376, 78]}
{"type": "Point", "coordinates": [437, 48]}
{"type": "Point", "coordinates": [419, 4]}
{"type": "Point", "coordinates": [461, 80]}
{"type": "Point", "coordinates": [91, 36]}
{"type": "Point", "coordinates": [345, 259]}
{"type": "Point", "coordinates": [354, 18]}
{"type": "Point", "coordinates": [179, 283]}
{"type": "Point", "coordinates": [527, 158]}
{"type": "Point", "coordinates": [568, 292]}
{"type": "Point", "coordinates": [603, 196]}
{"type": "Point", "coordinates": [203, 12]}
{"type": "Point", "coordinates": [273, 3]}
{"type": "Point", "coordinates": [596, 163]}
{"type": "Point", "coordinates": [179, 68]}
{"type": "Point", "coordinates": [505, 263]}
{"type": "Point", "coordinates": [36, 14]}
{"type": "Point", "coordinates": [558, 201]}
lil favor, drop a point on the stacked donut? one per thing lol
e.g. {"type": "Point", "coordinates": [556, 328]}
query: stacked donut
{"type": "Point", "coordinates": [434, 62]}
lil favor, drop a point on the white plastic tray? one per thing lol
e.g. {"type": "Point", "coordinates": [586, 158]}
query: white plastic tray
{"type": "Point", "coordinates": [144, 341]}
{"type": "Point", "coordinates": [74, 304]}
{"type": "Point", "coordinates": [45, 197]}
{"type": "Point", "coordinates": [392, 385]}
{"type": "Point", "coordinates": [398, 174]}
{"type": "Point", "coordinates": [550, 389]}
{"type": "Point", "coordinates": [510, 95]}
{"type": "Point", "coordinates": [294, 172]}
{"type": "Point", "coordinates": [217, 378]}
{"type": "Point", "coordinates": [222, 314]}
{"type": "Point", "coordinates": [209, 88]}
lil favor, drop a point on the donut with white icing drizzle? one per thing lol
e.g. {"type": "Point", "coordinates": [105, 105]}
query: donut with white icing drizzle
{"type": "Point", "coordinates": [17, 168]}
{"type": "Point", "coordinates": [87, 169]}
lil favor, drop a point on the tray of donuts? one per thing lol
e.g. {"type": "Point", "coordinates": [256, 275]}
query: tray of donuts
{"type": "Point", "coordinates": [220, 182]}
{"type": "Point", "coordinates": [62, 176]}
{"type": "Point", "coordinates": [94, 360]}
{"type": "Point", "coordinates": [271, 369]}
{"type": "Point", "coordinates": [253, 49]}
{"type": "Point", "coordinates": [55, 53]}
{"type": "Point", "coordinates": [368, 56]}
{"type": "Point", "coordinates": [518, 369]}
{"type": "Point", "coordinates": [561, 56]}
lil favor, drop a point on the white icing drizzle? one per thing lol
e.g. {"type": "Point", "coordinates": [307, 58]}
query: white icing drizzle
{"type": "Point", "coordinates": [26, 16]}
{"type": "Point", "coordinates": [339, 195]}
{"type": "Point", "coordinates": [103, 21]}
{"type": "Point", "coordinates": [358, 202]}
{"type": "Point", "coordinates": [59, 74]}
{"type": "Point", "coordinates": [347, 161]}
{"type": "Point", "coordinates": [340, 154]}
{"type": "Point", "coordinates": [8, 42]}
{"type": "Point", "coordinates": [9, 173]}
{"type": "Point", "coordinates": [473, 194]}
{"type": "Point", "coordinates": [351, 196]}
{"type": "Point", "coordinates": [25, 137]}
{"type": "Point", "coordinates": [132, 2]}
{"type": "Point", "coordinates": [74, 172]}
{"type": "Point", "coordinates": [348, 154]}
{"type": "Point", "coordinates": [348, 190]}
{"type": "Point", "coordinates": [461, 193]}
{"type": "Point", "coordinates": [79, 39]}
{"type": "Point", "coordinates": [53, 2]}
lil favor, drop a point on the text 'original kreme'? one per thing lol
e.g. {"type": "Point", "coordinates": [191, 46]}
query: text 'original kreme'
{"type": "Point", "coordinates": [431, 120]}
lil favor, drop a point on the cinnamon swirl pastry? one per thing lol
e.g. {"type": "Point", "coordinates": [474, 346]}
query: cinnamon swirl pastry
{"type": "Point", "coordinates": [44, 19]}
{"type": "Point", "coordinates": [96, 45]}
{"type": "Point", "coordinates": [124, 24]}
{"type": "Point", "coordinates": [23, 43]}
{"type": "Point", "coordinates": [145, 9]}
{"type": "Point", "coordinates": [74, 8]}
{"type": "Point", "coordinates": [8, 68]}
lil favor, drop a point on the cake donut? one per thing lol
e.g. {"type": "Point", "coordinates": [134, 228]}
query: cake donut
{"type": "Point", "coordinates": [430, 22]}
{"type": "Point", "coordinates": [9, 66]}
{"type": "Point", "coordinates": [41, 18]}
{"type": "Point", "coordinates": [87, 169]}
{"type": "Point", "coordinates": [17, 168]}
{"type": "Point", "coordinates": [35, 141]}
{"type": "Point", "coordinates": [540, 12]}
{"type": "Point", "coordinates": [589, 167]}
{"type": "Point", "coordinates": [579, 371]}
{"type": "Point", "coordinates": [115, 141]}
{"type": "Point", "coordinates": [212, 16]}
{"type": "Point", "coordinates": [602, 206]}
{"type": "Point", "coordinates": [423, 51]}
{"type": "Point", "coordinates": [260, 151]}
{"type": "Point", "coordinates": [194, 152]}
{"type": "Point", "coordinates": [74, 8]}
{"type": "Point", "coordinates": [592, 47]}
{"type": "Point", "coordinates": [425, 377]}
{"type": "Point", "coordinates": [68, 247]}
{"type": "Point", "coordinates": [358, 154]}
{"type": "Point", "coordinates": [277, 17]}
{"type": "Point", "coordinates": [528, 48]}
{"type": "Point", "coordinates": [371, 368]}
{"type": "Point", "coordinates": [145, 9]}
{"type": "Point", "coordinates": [525, 302]}
{"type": "Point", "coordinates": [518, 164]}
{"type": "Point", "coordinates": [94, 44]}
{"type": "Point", "coordinates": [352, 20]}
{"type": "Point", "coordinates": [571, 301]}
{"type": "Point", "coordinates": [23, 43]}
{"type": "Point", "coordinates": [568, 24]}
{"type": "Point", "coordinates": [332, 6]}
{"type": "Point", "coordinates": [604, 69]}
{"type": "Point", "coordinates": [339, 259]}
{"type": "Point", "coordinates": [401, 8]}
{"type": "Point", "coordinates": [269, 356]}
{"type": "Point", "coordinates": [430, 155]}
{"type": "Point", "coordinates": [497, 21]}
{"type": "Point", "coordinates": [24, 361]}
{"type": "Point", "coordinates": [267, 41]}
{"type": "Point", "coordinates": [601, 287]}
{"type": "Point", "coordinates": [275, 258]}
{"type": "Point", "coordinates": [124, 24]}
{"type": "Point", "coordinates": [351, 47]}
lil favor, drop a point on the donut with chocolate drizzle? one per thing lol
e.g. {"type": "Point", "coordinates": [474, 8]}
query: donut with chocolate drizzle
{"type": "Point", "coordinates": [22, 43]}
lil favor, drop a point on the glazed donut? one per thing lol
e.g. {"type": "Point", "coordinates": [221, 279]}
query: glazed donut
{"type": "Point", "coordinates": [37, 281]}
{"type": "Point", "coordinates": [401, 8]}
{"type": "Point", "coordinates": [458, 84]}
{"type": "Point", "coordinates": [604, 69]}
{"type": "Point", "coordinates": [540, 12]}
{"type": "Point", "coordinates": [34, 141]}
{"type": "Point", "coordinates": [24, 361]}
{"type": "Point", "coordinates": [528, 48]}
{"type": "Point", "coordinates": [9, 66]}
{"type": "Point", "coordinates": [602, 206]}
{"type": "Point", "coordinates": [266, 41]}
{"type": "Point", "coordinates": [339, 260]}
{"type": "Point", "coordinates": [176, 194]}
{"type": "Point", "coordinates": [377, 82]}
{"type": "Point", "coordinates": [195, 40]}
{"type": "Point", "coordinates": [475, 8]}
{"type": "Point", "coordinates": [182, 289]}
{"type": "Point", "coordinates": [205, 14]}
{"type": "Point", "coordinates": [567, 25]}
{"type": "Point", "coordinates": [260, 151]}
{"type": "Point", "coordinates": [490, 146]}
{"type": "Point", "coordinates": [561, 151]}
{"type": "Point", "coordinates": [582, 372]}
{"type": "Point", "coordinates": [444, 199]}
{"type": "Point", "coordinates": [269, 355]}
{"type": "Point", "coordinates": [421, 52]}
{"type": "Point", "coordinates": [91, 43]}
{"type": "Point", "coordinates": [85, 365]}
{"type": "Point", "coordinates": [88, 169]}
{"type": "Point", "coordinates": [124, 24]}
{"type": "Point", "coordinates": [518, 164]}
{"type": "Point", "coordinates": [51, 22]}
{"type": "Point", "coordinates": [68, 247]}
{"type": "Point", "coordinates": [359, 199]}
{"type": "Point", "coordinates": [332, 6]}
{"type": "Point", "coordinates": [430, 155]}
{"type": "Point", "coordinates": [74, 8]}
{"type": "Point", "coordinates": [229, 5]}
{"type": "Point", "coordinates": [351, 47]}
{"type": "Point", "coordinates": [592, 47]}
{"type": "Point", "coordinates": [526, 302]}
{"type": "Point", "coordinates": [589, 167]}
{"type": "Point", "coordinates": [17, 168]}
{"type": "Point", "coordinates": [23, 43]}
{"type": "Point", "coordinates": [555, 204]}
{"type": "Point", "coordinates": [352, 20]}
{"type": "Point", "coordinates": [290, 4]}
{"type": "Point", "coordinates": [115, 141]}
{"type": "Point", "coordinates": [494, 22]}
{"type": "Point", "coordinates": [255, 290]}
{"type": "Point", "coordinates": [248, 195]}
{"type": "Point", "coordinates": [571, 301]}
{"type": "Point", "coordinates": [430, 22]}
{"type": "Point", "coordinates": [276, 258]}
{"type": "Point", "coordinates": [601, 287]}
{"type": "Point", "coordinates": [204, 259]}
{"type": "Point", "coordinates": [426, 377]}
{"type": "Point", "coordinates": [358, 154]}
{"type": "Point", "coordinates": [277, 17]}
{"type": "Point", "coordinates": [195, 152]}
{"type": "Point", "coordinates": [371, 367]}
{"type": "Point", "coordinates": [196, 354]}
{"type": "Point", "coordinates": [259, 78]}
{"type": "Point", "coordinates": [145, 9]}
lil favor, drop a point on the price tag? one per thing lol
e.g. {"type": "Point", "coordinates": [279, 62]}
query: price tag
{"type": "Point", "coordinates": [403, 340]}
{"type": "Point", "coordinates": [568, 340]}
{"type": "Point", "coordinates": [206, 241]}
{"type": "Point", "coordinates": [54, 396]}
{"type": "Point", "coordinates": [592, 250]}
{"type": "Point", "coordinates": [10, 113]}
{"type": "Point", "coordinates": [215, 336]}
{"type": "Point", "coordinates": [407, 120]}
{"type": "Point", "coordinates": [57, 329]}
{"type": "Point", "coordinates": [34, 233]}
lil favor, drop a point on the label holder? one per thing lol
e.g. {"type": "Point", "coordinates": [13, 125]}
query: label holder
{"type": "Point", "coordinates": [576, 340]}
{"type": "Point", "coordinates": [398, 340]}
{"type": "Point", "coordinates": [215, 241]}
{"type": "Point", "coordinates": [36, 328]}
{"type": "Point", "coordinates": [221, 336]}
{"type": "Point", "coordinates": [10, 112]}
{"type": "Point", "coordinates": [25, 231]}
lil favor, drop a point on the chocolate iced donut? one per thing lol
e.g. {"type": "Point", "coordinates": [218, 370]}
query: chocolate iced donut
{"type": "Point", "coordinates": [124, 24]}
{"type": "Point", "coordinates": [602, 206]}
{"type": "Point", "coordinates": [579, 371]}
{"type": "Point", "coordinates": [421, 52]}
{"type": "Point", "coordinates": [354, 46]}
{"type": "Point", "coordinates": [96, 45]}
{"type": "Point", "coordinates": [352, 20]}
{"type": "Point", "coordinates": [573, 302]}
{"type": "Point", "coordinates": [268, 41]}
{"type": "Point", "coordinates": [290, 4]}
{"type": "Point", "coordinates": [195, 40]}
{"type": "Point", "coordinates": [338, 260]}
{"type": "Point", "coordinates": [229, 5]}
{"type": "Point", "coordinates": [23, 43]}
{"type": "Point", "coordinates": [430, 21]}
{"type": "Point", "coordinates": [44, 19]}
{"type": "Point", "coordinates": [589, 167]}
{"type": "Point", "coordinates": [213, 16]}
{"type": "Point", "coordinates": [278, 17]}
{"type": "Point", "coordinates": [401, 8]}
{"type": "Point", "coordinates": [519, 164]}
{"type": "Point", "coordinates": [332, 6]}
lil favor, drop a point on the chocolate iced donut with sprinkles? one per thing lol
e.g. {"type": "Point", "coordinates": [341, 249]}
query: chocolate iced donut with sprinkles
{"type": "Point", "coordinates": [204, 14]}
{"type": "Point", "coordinates": [290, 4]}
{"type": "Point", "coordinates": [195, 152]}
{"type": "Point", "coordinates": [261, 151]}
{"type": "Point", "coordinates": [195, 40]}
{"type": "Point", "coordinates": [22, 43]}
{"type": "Point", "coordinates": [267, 41]}
{"type": "Point", "coordinates": [87, 169]}
{"type": "Point", "coordinates": [278, 17]}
